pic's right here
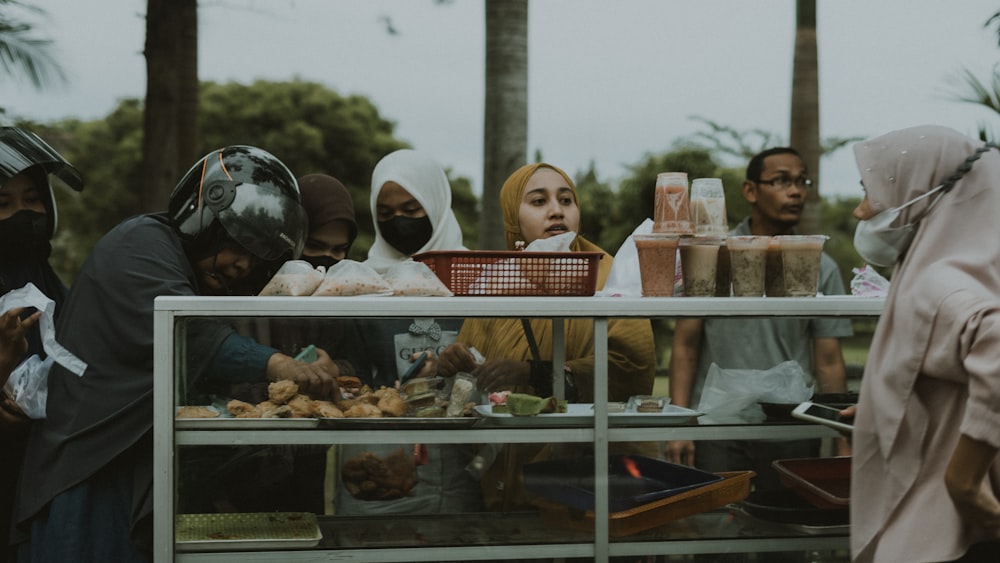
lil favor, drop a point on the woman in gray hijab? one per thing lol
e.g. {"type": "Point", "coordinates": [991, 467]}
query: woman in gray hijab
{"type": "Point", "coordinates": [925, 476]}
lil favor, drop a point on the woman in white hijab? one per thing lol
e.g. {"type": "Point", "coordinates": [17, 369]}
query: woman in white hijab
{"type": "Point", "coordinates": [411, 206]}
{"type": "Point", "coordinates": [925, 476]}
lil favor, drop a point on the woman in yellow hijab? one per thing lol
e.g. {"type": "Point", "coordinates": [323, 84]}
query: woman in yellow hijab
{"type": "Point", "coordinates": [540, 201]}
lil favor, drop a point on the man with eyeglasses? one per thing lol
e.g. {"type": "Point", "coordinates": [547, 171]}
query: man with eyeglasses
{"type": "Point", "coordinates": [776, 185]}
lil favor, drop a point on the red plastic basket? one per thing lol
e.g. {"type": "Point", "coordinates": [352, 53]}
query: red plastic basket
{"type": "Point", "coordinates": [514, 273]}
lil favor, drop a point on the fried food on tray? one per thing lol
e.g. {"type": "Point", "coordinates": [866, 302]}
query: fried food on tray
{"type": "Point", "coordinates": [363, 410]}
{"type": "Point", "coordinates": [391, 403]}
{"type": "Point", "coordinates": [301, 406]}
{"type": "Point", "coordinates": [282, 411]}
{"type": "Point", "coordinates": [369, 477]}
{"type": "Point", "coordinates": [326, 409]}
{"type": "Point", "coordinates": [196, 412]}
{"type": "Point", "coordinates": [279, 392]}
{"type": "Point", "coordinates": [241, 409]}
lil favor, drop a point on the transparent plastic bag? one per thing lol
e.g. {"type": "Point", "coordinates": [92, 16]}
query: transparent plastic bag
{"type": "Point", "coordinates": [295, 278]}
{"type": "Point", "coordinates": [28, 383]}
{"type": "Point", "coordinates": [29, 386]}
{"type": "Point", "coordinates": [350, 277]}
{"type": "Point", "coordinates": [868, 283]}
{"type": "Point", "coordinates": [415, 279]}
{"type": "Point", "coordinates": [732, 396]}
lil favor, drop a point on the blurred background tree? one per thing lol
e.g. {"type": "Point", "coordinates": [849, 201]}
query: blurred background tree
{"type": "Point", "coordinates": [22, 53]}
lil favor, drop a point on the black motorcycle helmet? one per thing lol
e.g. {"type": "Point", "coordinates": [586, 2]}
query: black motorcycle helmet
{"type": "Point", "coordinates": [22, 150]}
{"type": "Point", "coordinates": [241, 194]}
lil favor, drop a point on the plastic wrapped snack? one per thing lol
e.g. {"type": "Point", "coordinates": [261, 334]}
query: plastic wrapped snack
{"type": "Point", "coordinates": [503, 277]}
{"type": "Point", "coordinates": [295, 278]}
{"type": "Point", "coordinates": [349, 277]}
{"type": "Point", "coordinates": [415, 279]}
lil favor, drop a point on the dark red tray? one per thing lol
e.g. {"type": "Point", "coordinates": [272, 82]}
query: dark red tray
{"type": "Point", "coordinates": [823, 481]}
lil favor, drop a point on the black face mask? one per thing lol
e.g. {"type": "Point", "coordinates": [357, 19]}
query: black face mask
{"type": "Point", "coordinates": [406, 234]}
{"type": "Point", "coordinates": [326, 261]}
{"type": "Point", "coordinates": [23, 235]}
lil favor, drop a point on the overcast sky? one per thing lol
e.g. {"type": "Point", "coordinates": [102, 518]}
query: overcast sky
{"type": "Point", "coordinates": [609, 82]}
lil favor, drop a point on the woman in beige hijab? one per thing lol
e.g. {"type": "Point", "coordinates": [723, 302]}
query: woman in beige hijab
{"type": "Point", "coordinates": [925, 474]}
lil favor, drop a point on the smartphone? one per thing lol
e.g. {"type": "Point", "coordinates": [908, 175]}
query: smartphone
{"type": "Point", "coordinates": [414, 368]}
{"type": "Point", "coordinates": [822, 414]}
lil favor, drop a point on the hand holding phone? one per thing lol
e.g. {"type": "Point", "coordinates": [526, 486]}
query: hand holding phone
{"type": "Point", "coordinates": [822, 414]}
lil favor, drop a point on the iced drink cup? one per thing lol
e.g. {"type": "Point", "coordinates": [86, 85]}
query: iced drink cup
{"type": "Point", "coordinates": [774, 279]}
{"type": "Point", "coordinates": [699, 265]}
{"type": "Point", "coordinates": [708, 207]}
{"type": "Point", "coordinates": [657, 263]}
{"type": "Point", "coordinates": [671, 210]}
{"type": "Point", "coordinates": [800, 260]}
{"type": "Point", "coordinates": [723, 272]}
{"type": "Point", "coordinates": [748, 260]}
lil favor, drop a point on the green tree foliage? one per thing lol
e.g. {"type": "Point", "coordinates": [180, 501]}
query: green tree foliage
{"type": "Point", "coordinates": [311, 128]}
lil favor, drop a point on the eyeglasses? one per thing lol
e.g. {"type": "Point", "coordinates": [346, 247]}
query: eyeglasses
{"type": "Point", "coordinates": [784, 182]}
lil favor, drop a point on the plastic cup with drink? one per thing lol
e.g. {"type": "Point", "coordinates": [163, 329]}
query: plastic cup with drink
{"type": "Point", "coordinates": [657, 262]}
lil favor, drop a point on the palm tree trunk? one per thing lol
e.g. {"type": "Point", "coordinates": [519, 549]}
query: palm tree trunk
{"type": "Point", "coordinates": [505, 143]}
{"type": "Point", "coordinates": [171, 114]}
{"type": "Point", "coordinates": [805, 107]}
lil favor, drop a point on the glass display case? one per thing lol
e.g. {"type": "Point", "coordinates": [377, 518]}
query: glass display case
{"type": "Point", "coordinates": [465, 536]}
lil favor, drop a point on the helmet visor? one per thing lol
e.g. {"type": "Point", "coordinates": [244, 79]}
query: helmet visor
{"type": "Point", "coordinates": [20, 150]}
{"type": "Point", "coordinates": [266, 222]}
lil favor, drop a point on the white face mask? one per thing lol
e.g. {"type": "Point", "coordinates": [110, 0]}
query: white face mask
{"type": "Point", "coordinates": [881, 244]}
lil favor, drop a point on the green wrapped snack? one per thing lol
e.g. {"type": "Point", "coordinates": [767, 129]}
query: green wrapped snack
{"type": "Point", "coordinates": [523, 404]}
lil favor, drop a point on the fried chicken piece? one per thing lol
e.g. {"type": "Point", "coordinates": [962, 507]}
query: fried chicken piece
{"type": "Point", "coordinates": [282, 411]}
{"type": "Point", "coordinates": [367, 398]}
{"type": "Point", "coordinates": [196, 412]}
{"type": "Point", "coordinates": [369, 477]}
{"type": "Point", "coordinates": [363, 410]}
{"type": "Point", "coordinates": [392, 404]}
{"type": "Point", "coordinates": [241, 409]}
{"type": "Point", "coordinates": [301, 406]}
{"type": "Point", "coordinates": [326, 409]}
{"type": "Point", "coordinates": [279, 392]}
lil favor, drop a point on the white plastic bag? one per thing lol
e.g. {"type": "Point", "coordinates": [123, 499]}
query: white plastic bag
{"type": "Point", "coordinates": [624, 279]}
{"type": "Point", "coordinates": [732, 396]}
{"type": "Point", "coordinates": [558, 243]}
{"type": "Point", "coordinates": [28, 383]}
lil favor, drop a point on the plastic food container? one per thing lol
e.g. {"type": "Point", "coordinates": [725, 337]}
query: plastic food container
{"type": "Point", "coordinates": [823, 481]}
